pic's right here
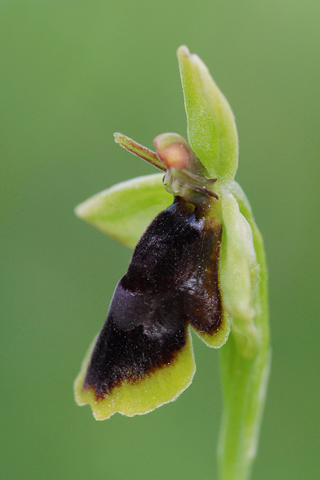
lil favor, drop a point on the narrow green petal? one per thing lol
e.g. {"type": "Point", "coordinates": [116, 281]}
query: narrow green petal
{"type": "Point", "coordinates": [162, 386]}
{"type": "Point", "coordinates": [143, 152]}
{"type": "Point", "coordinates": [125, 210]}
{"type": "Point", "coordinates": [211, 127]}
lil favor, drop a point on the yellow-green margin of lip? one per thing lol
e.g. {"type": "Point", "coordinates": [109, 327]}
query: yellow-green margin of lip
{"type": "Point", "coordinates": [220, 336]}
{"type": "Point", "coordinates": [162, 386]}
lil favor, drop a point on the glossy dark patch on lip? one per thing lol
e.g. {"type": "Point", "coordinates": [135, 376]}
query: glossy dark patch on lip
{"type": "Point", "coordinates": [172, 280]}
{"type": "Point", "coordinates": [203, 301]}
{"type": "Point", "coordinates": [150, 341]}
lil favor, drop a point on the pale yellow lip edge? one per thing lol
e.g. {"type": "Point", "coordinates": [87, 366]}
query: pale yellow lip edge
{"type": "Point", "coordinates": [161, 387]}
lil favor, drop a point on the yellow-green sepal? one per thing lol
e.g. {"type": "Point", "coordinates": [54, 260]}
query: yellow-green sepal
{"type": "Point", "coordinates": [245, 371]}
{"type": "Point", "coordinates": [125, 210]}
{"type": "Point", "coordinates": [212, 131]}
{"type": "Point", "coordinates": [161, 386]}
{"type": "Point", "coordinates": [239, 273]}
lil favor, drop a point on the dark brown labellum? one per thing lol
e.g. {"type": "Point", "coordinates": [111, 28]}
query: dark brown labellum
{"type": "Point", "coordinates": [172, 280]}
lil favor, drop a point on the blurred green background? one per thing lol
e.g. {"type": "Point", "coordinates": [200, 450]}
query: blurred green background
{"type": "Point", "coordinates": [72, 73]}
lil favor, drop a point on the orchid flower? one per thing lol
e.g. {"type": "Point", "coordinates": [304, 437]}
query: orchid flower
{"type": "Point", "coordinates": [198, 263]}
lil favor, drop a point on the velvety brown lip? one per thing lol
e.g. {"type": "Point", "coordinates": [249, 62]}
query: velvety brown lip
{"type": "Point", "coordinates": [172, 280]}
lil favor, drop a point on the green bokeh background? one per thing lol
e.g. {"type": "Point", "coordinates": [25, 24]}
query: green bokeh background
{"type": "Point", "coordinates": [72, 73]}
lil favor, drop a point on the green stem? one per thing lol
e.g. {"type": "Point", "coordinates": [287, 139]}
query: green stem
{"type": "Point", "coordinates": [244, 380]}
